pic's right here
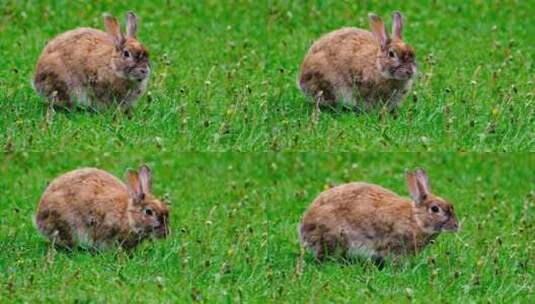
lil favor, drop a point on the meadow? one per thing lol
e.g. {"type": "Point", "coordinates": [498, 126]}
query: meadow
{"type": "Point", "coordinates": [233, 232]}
{"type": "Point", "coordinates": [224, 75]}
{"type": "Point", "coordinates": [224, 82]}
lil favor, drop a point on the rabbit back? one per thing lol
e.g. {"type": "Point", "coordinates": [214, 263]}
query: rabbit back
{"type": "Point", "coordinates": [71, 64]}
{"type": "Point", "coordinates": [341, 68]}
{"type": "Point", "coordinates": [327, 71]}
{"type": "Point", "coordinates": [83, 207]}
{"type": "Point", "coordinates": [76, 69]}
{"type": "Point", "coordinates": [357, 219]}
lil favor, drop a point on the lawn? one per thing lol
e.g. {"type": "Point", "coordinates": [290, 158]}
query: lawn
{"type": "Point", "coordinates": [233, 231]}
{"type": "Point", "coordinates": [224, 78]}
{"type": "Point", "coordinates": [223, 81]}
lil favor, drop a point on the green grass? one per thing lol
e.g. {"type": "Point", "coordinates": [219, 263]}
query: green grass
{"type": "Point", "coordinates": [234, 239]}
{"type": "Point", "coordinates": [224, 78]}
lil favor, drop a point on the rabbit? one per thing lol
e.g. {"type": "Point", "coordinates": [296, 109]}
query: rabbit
{"type": "Point", "coordinates": [91, 208]}
{"type": "Point", "coordinates": [359, 69]}
{"type": "Point", "coordinates": [89, 68]}
{"type": "Point", "coordinates": [368, 221]}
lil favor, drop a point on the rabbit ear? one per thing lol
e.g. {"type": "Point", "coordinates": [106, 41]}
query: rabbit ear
{"type": "Point", "coordinates": [379, 30]}
{"type": "Point", "coordinates": [114, 29]}
{"type": "Point", "coordinates": [145, 178]}
{"type": "Point", "coordinates": [397, 25]}
{"type": "Point", "coordinates": [418, 185]}
{"type": "Point", "coordinates": [423, 181]}
{"type": "Point", "coordinates": [133, 184]}
{"type": "Point", "coordinates": [131, 25]}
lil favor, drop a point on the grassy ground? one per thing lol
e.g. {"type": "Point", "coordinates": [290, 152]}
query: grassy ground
{"type": "Point", "coordinates": [234, 239]}
{"type": "Point", "coordinates": [224, 78]}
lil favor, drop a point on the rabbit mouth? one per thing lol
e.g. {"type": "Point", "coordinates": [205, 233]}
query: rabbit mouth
{"type": "Point", "coordinates": [448, 226]}
{"type": "Point", "coordinates": [139, 74]}
{"type": "Point", "coordinates": [403, 72]}
{"type": "Point", "coordinates": [160, 231]}
{"type": "Point", "coordinates": [451, 228]}
{"type": "Point", "coordinates": [137, 77]}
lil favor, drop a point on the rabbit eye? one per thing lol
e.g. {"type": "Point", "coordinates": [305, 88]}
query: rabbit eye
{"type": "Point", "coordinates": [126, 54]}
{"type": "Point", "coordinates": [148, 212]}
{"type": "Point", "coordinates": [391, 54]}
{"type": "Point", "coordinates": [434, 209]}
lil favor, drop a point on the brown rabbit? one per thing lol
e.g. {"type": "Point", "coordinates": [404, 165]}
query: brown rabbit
{"type": "Point", "coordinates": [90, 68]}
{"type": "Point", "coordinates": [90, 207]}
{"type": "Point", "coordinates": [360, 219]}
{"type": "Point", "coordinates": [359, 69]}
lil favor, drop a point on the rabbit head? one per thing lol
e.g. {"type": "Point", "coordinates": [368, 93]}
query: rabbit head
{"type": "Point", "coordinates": [396, 59]}
{"type": "Point", "coordinates": [433, 214]}
{"type": "Point", "coordinates": [130, 59]}
{"type": "Point", "coordinates": [147, 215]}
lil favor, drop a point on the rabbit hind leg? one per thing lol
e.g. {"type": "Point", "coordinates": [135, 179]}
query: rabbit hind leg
{"type": "Point", "coordinates": [57, 230]}
{"type": "Point", "coordinates": [316, 85]}
{"type": "Point", "coordinates": [49, 85]}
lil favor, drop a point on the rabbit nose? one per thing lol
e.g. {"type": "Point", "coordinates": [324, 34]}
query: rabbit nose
{"type": "Point", "coordinates": [143, 71]}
